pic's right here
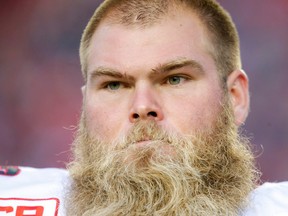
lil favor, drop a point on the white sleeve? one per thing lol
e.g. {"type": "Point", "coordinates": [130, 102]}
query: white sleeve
{"type": "Point", "coordinates": [39, 189]}
{"type": "Point", "coordinates": [270, 199]}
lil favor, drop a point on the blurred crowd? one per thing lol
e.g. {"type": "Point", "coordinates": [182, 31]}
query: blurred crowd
{"type": "Point", "coordinates": [40, 79]}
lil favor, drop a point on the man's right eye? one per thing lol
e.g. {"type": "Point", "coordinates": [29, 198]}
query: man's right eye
{"type": "Point", "coordinates": [113, 85]}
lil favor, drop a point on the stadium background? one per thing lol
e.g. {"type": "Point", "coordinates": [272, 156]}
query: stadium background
{"type": "Point", "coordinates": [40, 79]}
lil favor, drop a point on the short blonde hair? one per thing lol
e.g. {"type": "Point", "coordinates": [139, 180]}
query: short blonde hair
{"type": "Point", "coordinates": [144, 13]}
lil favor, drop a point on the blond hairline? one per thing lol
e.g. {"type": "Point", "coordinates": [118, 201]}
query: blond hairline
{"type": "Point", "coordinates": [226, 61]}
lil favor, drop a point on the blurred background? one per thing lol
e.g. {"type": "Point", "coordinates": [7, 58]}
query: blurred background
{"type": "Point", "coordinates": [40, 79]}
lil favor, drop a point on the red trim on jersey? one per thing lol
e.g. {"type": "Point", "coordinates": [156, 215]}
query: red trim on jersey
{"type": "Point", "coordinates": [9, 170]}
{"type": "Point", "coordinates": [40, 199]}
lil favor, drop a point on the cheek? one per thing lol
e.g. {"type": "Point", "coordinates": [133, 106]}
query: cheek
{"type": "Point", "coordinates": [193, 112]}
{"type": "Point", "coordinates": [102, 122]}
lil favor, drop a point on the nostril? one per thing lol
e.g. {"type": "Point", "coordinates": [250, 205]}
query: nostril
{"type": "Point", "coordinates": [153, 114]}
{"type": "Point", "coordinates": [135, 116]}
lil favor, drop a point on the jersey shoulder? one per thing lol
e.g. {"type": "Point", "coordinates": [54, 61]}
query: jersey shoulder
{"type": "Point", "coordinates": [26, 190]}
{"type": "Point", "coordinates": [269, 199]}
{"type": "Point", "coordinates": [32, 182]}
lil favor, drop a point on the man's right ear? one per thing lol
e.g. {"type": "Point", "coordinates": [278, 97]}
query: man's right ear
{"type": "Point", "coordinates": [83, 89]}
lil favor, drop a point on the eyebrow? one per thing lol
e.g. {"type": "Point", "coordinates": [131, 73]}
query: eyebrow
{"type": "Point", "coordinates": [103, 71]}
{"type": "Point", "coordinates": [161, 69]}
{"type": "Point", "coordinates": [177, 64]}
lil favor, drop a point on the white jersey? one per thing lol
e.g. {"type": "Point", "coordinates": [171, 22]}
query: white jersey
{"type": "Point", "coordinates": [270, 199]}
{"type": "Point", "coordinates": [32, 192]}
{"type": "Point", "coordinates": [41, 192]}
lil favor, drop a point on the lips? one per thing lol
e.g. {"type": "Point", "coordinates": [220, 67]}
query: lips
{"type": "Point", "coordinates": [143, 138]}
{"type": "Point", "coordinates": [142, 143]}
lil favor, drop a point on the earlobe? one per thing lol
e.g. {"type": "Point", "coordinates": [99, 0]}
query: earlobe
{"type": "Point", "coordinates": [83, 89]}
{"type": "Point", "coordinates": [238, 90]}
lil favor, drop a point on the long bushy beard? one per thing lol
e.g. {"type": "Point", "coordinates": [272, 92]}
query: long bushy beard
{"type": "Point", "coordinates": [209, 173]}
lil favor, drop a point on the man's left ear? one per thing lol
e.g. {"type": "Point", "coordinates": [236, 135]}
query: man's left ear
{"type": "Point", "coordinates": [238, 90]}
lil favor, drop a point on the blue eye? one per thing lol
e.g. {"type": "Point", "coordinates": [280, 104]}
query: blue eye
{"type": "Point", "coordinates": [174, 80]}
{"type": "Point", "coordinates": [114, 85]}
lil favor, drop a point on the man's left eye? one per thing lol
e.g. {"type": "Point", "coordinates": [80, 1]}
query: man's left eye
{"type": "Point", "coordinates": [175, 80]}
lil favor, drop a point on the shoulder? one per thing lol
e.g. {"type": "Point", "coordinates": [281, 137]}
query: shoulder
{"type": "Point", "coordinates": [269, 199]}
{"type": "Point", "coordinates": [32, 182]}
{"type": "Point", "coordinates": [18, 171]}
{"type": "Point", "coordinates": [26, 187]}
{"type": "Point", "coordinates": [28, 176]}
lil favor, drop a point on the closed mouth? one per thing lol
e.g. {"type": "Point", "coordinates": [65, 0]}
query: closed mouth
{"type": "Point", "coordinates": [143, 142]}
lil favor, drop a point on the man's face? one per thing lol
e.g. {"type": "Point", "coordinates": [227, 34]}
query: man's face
{"type": "Point", "coordinates": [157, 135]}
{"type": "Point", "coordinates": [162, 73]}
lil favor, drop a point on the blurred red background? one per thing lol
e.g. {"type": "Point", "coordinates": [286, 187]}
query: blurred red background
{"type": "Point", "coordinates": [40, 79]}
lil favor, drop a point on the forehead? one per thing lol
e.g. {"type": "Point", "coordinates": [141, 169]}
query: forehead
{"type": "Point", "coordinates": [175, 36]}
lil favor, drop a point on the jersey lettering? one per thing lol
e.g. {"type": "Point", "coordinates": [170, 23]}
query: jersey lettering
{"type": "Point", "coordinates": [29, 207]}
{"type": "Point", "coordinates": [6, 209]}
{"type": "Point", "coordinates": [29, 211]}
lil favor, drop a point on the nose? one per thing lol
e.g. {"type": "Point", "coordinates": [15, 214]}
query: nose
{"type": "Point", "coordinates": [145, 105]}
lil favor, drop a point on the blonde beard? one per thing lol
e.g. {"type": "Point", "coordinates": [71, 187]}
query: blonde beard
{"type": "Point", "coordinates": [211, 173]}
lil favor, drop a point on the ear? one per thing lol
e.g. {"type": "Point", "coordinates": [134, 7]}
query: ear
{"type": "Point", "coordinates": [83, 90]}
{"type": "Point", "coordinates": [238, 90]}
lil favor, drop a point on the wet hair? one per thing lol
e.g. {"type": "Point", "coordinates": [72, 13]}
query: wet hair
{"type": "Point", "coordinates": [216, 20]}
